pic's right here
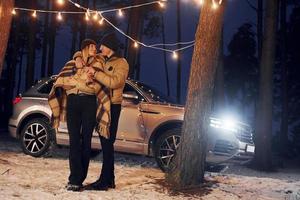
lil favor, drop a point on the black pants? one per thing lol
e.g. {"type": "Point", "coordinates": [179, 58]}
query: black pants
{"type": "Point", "coordinates": [107, 172]}
{"type": "Point", "coordinates": [81, 119]}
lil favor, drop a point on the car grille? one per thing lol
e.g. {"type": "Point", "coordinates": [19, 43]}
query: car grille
{"type": "Point", "coordinates": [223, 146]}
{"type": "Point", "coordinates": [244, 134]}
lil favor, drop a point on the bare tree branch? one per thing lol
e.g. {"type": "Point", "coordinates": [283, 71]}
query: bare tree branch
{"type": "Point", "coordinates": [251, 5]}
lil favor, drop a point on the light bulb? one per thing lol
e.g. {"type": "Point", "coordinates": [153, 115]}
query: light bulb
{"type": "Point", "coordinates": [120, 13]}
{"type": "Point", "coordinates": [77, 5]}
{"type": "Point", "coordinates": [175, 55]}
{"type": "Point", "coordinates": [136, 45]}
{"type": "Point", "coordinates": [13, 12]}
{"type": "Point", "coordinates": [101, 21]}
{"type": "Point", "coordinates": [161, 4]}
{"type": "Point", "coordinates": [59, 16]}
{"type": "Point", "coordinates": [87, 18]}
{"type": "Point", "coordinates": [60, 2]}
{"type": "Point", "coordinates": [34, 14]}
{"type": "Point", "coordinates": [95, 16]}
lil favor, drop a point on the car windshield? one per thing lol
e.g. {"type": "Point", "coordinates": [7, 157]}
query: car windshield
{"type": "Point", "coordinates": [155, 94]}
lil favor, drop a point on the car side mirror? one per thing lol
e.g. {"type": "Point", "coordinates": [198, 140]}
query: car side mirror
{"type": "Point", "coordinates": [131, 95]}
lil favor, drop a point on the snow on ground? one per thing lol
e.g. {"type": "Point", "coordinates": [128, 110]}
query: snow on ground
{"type": "Point", "coordinates": [137, 177]}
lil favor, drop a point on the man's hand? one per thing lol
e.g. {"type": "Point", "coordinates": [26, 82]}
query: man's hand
{"type": "Point", "coordinates": [79, 62]}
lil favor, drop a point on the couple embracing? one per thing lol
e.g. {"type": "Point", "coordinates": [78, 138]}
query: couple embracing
{"type": "Point", "coordinates": [87, 94]}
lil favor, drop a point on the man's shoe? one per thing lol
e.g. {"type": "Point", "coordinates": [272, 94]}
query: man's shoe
{"type": "Point", "coordinates": [74, 188]}
{"type": "Point", "coordinates": [98, 185]}
{"type": "Point", "coordinates": [112, 184]}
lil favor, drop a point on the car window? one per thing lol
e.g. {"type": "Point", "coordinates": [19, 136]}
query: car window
{"type": "Point", "coordinates": [46, 87]}
{"type": "Point", "coordinates": [129, 89]}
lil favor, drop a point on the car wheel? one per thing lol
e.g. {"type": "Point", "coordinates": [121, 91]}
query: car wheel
{"type": "Point", "coordinates": [165, 148]}
{"type": "Point", "coordinates": [36, 137]}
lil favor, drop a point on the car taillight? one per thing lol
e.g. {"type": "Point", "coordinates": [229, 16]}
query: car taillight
{"type": "Point", "coordinates": [17, 100]}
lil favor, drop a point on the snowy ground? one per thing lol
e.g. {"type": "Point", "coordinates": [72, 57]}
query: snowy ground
{"type": "Point", "coordinates": [137, 177]}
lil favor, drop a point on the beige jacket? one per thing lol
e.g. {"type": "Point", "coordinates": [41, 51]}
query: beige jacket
{"type": "Point", "coordinates": [113, 76]}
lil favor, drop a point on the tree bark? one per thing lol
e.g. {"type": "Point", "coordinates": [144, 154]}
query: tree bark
{"type": "Point", "coordinates": [178, 87]}
{"type": "Point", "coordinates": [190, 159]}
{"type": "Point", "coordinates": [284, 89]}
{"type": "Point", "coordinates": [30, 67]}
{"type": "Point", "coordinates": [259, 27]}
{"type": "Point", "coordinates": [52, 38]}
{"type": "Point", "coordinates": [165, 55]}
{"type": "Point", "coordinates": [263, 156]}
{"type": "Point", "coordinates": [136, 19]}
{"type": "Point", "coordinates": [6, 7]}
{"type": "Point", "coordinates": [45, 41]}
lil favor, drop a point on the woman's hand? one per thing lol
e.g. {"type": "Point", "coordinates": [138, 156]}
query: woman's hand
{"type": "Point", "coordinates": [90, 72]}
{"type": "Point", "coordinates": [79, 62]}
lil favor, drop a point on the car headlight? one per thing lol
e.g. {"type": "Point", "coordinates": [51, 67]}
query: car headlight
{"type": "Point", "coordinates": [226, 124]}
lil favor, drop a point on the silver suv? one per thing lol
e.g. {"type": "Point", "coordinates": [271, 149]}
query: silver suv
{"type": "Point", "coordinates": [149, 125]}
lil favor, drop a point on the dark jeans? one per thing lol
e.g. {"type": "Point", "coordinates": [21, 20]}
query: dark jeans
{"type": "Point", "coordinates": [81, 120]}
{"type": "Point", "coordinates": [107, 173]}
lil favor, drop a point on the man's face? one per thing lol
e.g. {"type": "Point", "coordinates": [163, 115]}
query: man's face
{"type": "Point", "coordinates": [92, 50]}
{"type": "Point", "coordinates": [105, 51]}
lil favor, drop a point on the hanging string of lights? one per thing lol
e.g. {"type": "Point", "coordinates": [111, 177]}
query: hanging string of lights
{"type": "Point", "coordinates": [96, 14]}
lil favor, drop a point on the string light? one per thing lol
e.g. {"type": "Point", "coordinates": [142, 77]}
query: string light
{"type": "Point", "coordinates": [34, 14]}
{"type": "Point", "coordinates": [87, 18]}
{"type": "Point", "coordinates": [101, 21]}
{"type": "Point", "coordinates": [220, 2]}
{"type": "Point", "coordinates": [59, 16]}
{"type": "Point", "coordinates": [175, 55]}
{"type": "Point", "coordinates": [136, 45]}
{"type": "Point", "coordinates": [201, 2]}
{"type": "Point", "coordinates": [77, 5]}
{"type": "Point", "coordinates": [120, 13]}
{"type": "Point", "coordinates": [60, 2]}
{"type": "Point", "coordinates": [14, 12]}
{"type": "Point", "coordinates": [95, 16]}
{"type": "Point", "coordinates": [214, 4]}
{"type": "Point", "coordinates": [161, 4]}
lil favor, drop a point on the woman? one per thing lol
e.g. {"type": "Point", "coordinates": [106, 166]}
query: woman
{"type": "Point", "coordinates": [74, 91]}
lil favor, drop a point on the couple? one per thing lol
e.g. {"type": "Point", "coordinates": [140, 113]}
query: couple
{"type": "Point", "coordinates": [87, 94]}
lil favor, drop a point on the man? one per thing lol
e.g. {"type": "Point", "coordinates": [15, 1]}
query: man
{"type": "Point", "coordinates": [113, 76]}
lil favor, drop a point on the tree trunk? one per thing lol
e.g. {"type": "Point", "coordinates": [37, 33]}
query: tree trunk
{"type": "Point", "coordinates": [45, 41]}
{"type": "Point", "coordinates": [190, 159]}
{"type": "Point", "coordinates": [6, 7]}
{"type": "Point", "coordinates": [284, 89]}
{"type": "Point", "coordinates": [263, 156]}
{"type": "Point", "coordinates": [165, 55]}
{"type": "Point", "coordinates": [52, 38]}
{"type": "Point", "coordinates": [219, 96]}
{"type": "Point", "coordinates": [74, 37]}
{"type": "Point", "coordinates": [178, 46]}
{"type": "Point", "coordinates": [136, 19]}
{"type": "Point", "coordinates": [30, 67]}
{"type": "Point", "coordinates": [259, 27]}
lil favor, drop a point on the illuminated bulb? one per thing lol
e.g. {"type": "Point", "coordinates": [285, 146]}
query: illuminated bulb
{"type": "Point", "coordinates": [60, 2]}
{"type": "Point", "coordinates": [13, 12]}
{"type": "Point", "coordinates": [95, 16]}
{"type": "Point", "coordinates": [59, 16]}
{"type": "Point", "coordinates": [136, 45]}
{"type": "Point", "coordinates": [101, 21]}
{"type": "Point", "coordinates": [220, 2]}
{"type": "Point", "coordinates": [161, 4]}
{"type": "Point", "coordinates": [120, 13]}
{"type": "Point", "coordinates": [77, 5]}
{"type": "Point", "coordinates": [201, 2]}
{"type": "Point", "coordinates": [214, 6]}
{"type": "Point", "coordinates": [34, 14]}
{"type": "Point", "coordinates": [87, 17]}
{"type": "Point", "coordinates": [175, 55]}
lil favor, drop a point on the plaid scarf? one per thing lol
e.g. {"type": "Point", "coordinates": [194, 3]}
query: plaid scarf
{"type": "Point", "coordinates": [58, 98]}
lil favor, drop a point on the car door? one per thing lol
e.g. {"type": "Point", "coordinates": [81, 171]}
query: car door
{"type": "Point", "coordinates": [131, 124]}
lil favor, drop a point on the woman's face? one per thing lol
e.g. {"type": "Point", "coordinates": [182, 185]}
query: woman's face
{"type": "Point", "coordinates": [105, 51]}
{"type": "Point", "coordinates": [92, 50]}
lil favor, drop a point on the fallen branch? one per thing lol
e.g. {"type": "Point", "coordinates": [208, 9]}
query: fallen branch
{"type": "Point", "coordinates": [7, 171]}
